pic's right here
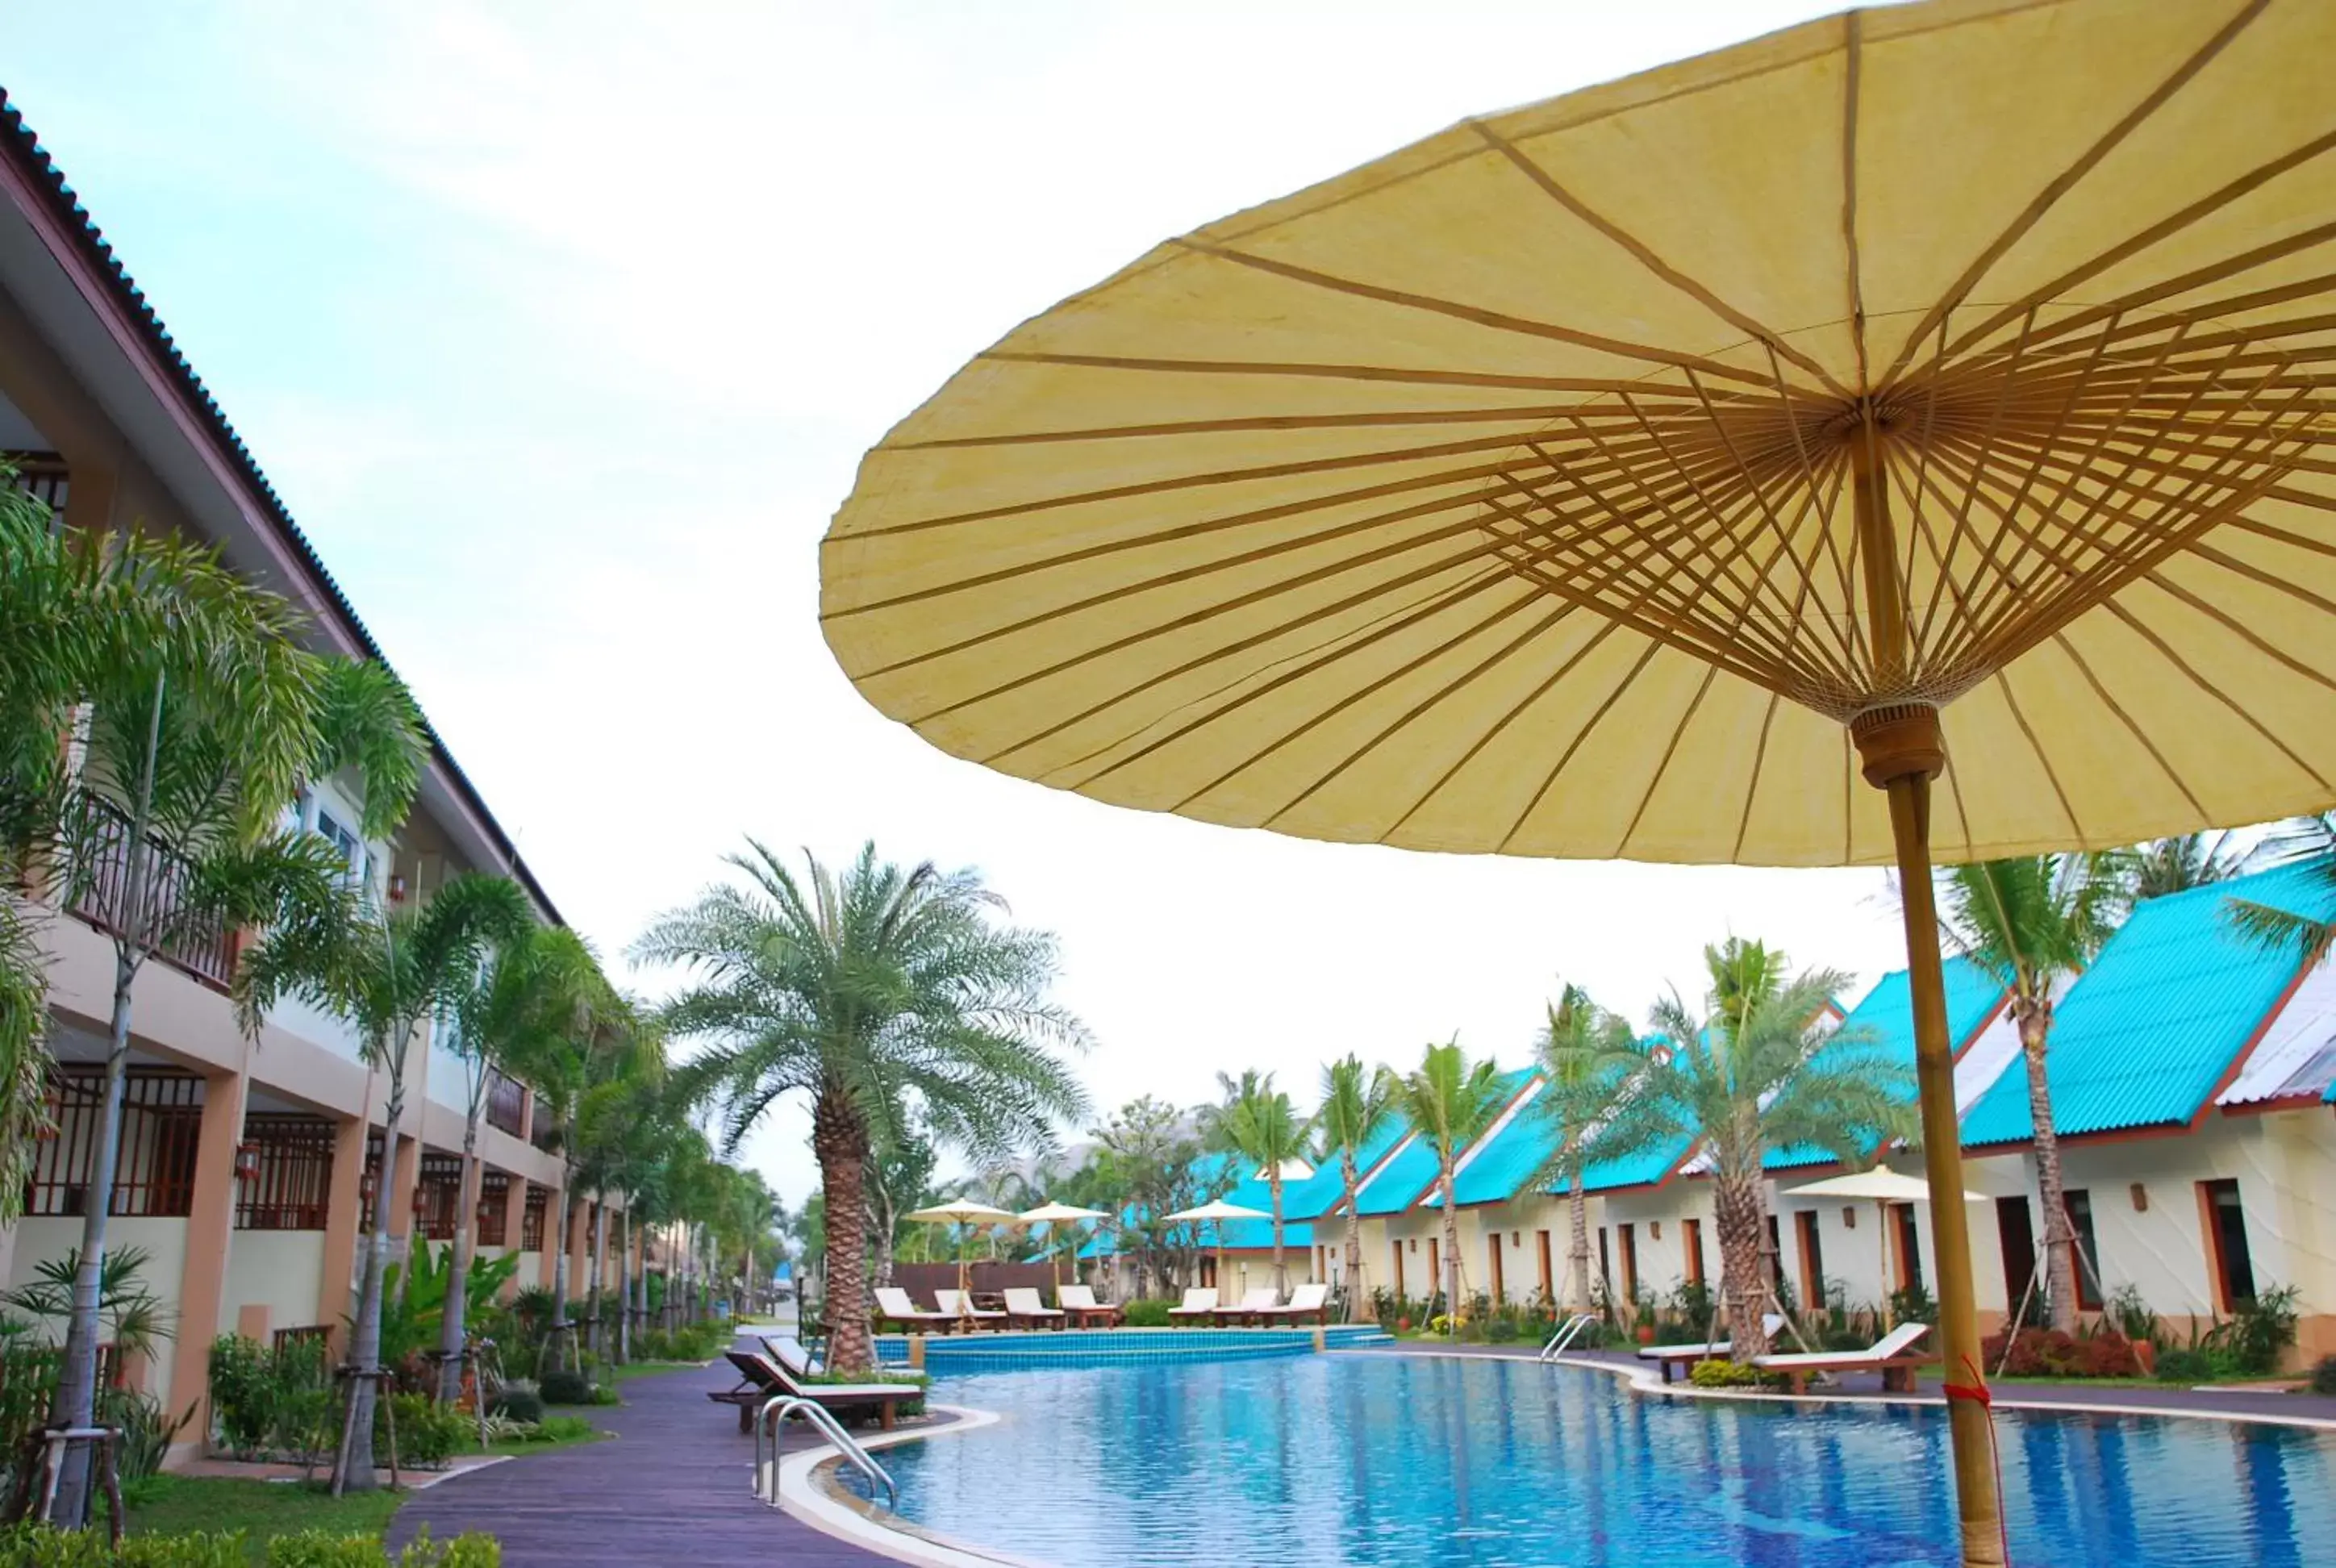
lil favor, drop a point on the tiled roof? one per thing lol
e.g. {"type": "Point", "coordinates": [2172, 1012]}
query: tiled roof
{"type": "Point", "coordinates": [1886, 1016]}
{"type": "Point", "coordinates": [2144, 1036]}
{"type": "Point", "coordinates": [21, 146]}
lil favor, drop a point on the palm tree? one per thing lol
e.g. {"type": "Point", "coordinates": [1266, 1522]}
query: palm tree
{"type": "Point", "coordinates": [2034, 923]}
{"type": "Point", "coordinates": [531, 987]}
{"type": "Point", "coordinates": [1356, 1102]}
{"type": "Point", "coordinates": [1575, 1049]}
{"type": "Point", "coordinates": [1258, 1122]}
{"type": "Point", "coordinates": [621, 1108]}
{"type": "Point", "coordinates": [1759, 1074]}
{"type": "Point", "coordinates": [192, 750]}
{"type": "Point", "coordinates": [1451, 1104]}
{"type": "Point", "coordinates": [2306, 841]}
{"type": "Point", "coordinates": [877, 992]}
{"type": "Point", "coordinates": [2186, 861]}
{"type": "Point", "coordinates": [386, 969]}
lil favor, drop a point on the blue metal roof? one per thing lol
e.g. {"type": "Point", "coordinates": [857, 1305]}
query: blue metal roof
{"type": "Point", "coordinates": [1644, 1169]}
{"type": "Point", "coordinates": [1319, 1193]}
{"type": "Point", "coordinates": [1886, 1016]}
{"type": "Point", "coordinates": [1504, 1164]}
{"type": "Point", "coordinates": [1407, 1178]}
{"type": "Point", "coordinates": [2143, 1038]}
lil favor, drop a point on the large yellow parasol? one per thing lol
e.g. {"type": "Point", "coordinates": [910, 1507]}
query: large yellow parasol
{"type": "Point", "coordinates": [1628, 474]}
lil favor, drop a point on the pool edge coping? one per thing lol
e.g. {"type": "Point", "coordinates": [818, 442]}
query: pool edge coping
{"type": "Point", "coordinates": [805, 1498]}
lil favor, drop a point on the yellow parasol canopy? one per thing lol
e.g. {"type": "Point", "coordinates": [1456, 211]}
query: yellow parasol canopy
{"type": "Point", "coordinates": [1630, 473]}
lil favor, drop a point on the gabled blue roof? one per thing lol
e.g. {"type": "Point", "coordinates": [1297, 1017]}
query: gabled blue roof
{"type": "Point", "coordinates": [1319, 1193]}
{"type": "Point", "coordinates": [2143, 1038]}
{"type": "Point", "coordinates": [1503, 1166]}
{"type": "Point", "coordinates": [1644, 1169]}
{"type": "Point", "coordinates": [1886, 1016]}
{"type": "Point", "coordinates": [1398, 1185]}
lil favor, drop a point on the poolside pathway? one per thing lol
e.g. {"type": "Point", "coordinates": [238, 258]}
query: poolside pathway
{"type": "Point", "coordinates": [671, 1487]}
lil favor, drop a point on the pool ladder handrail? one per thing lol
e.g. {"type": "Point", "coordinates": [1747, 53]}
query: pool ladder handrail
{"type": "Point", "coordinates": [1567, 1332]}
{"type": "Point", "coordinates": [823, 1421]}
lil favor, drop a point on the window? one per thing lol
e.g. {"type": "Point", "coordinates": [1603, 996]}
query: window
{"type": "Point", "coordinates": [1629, 1236]}
{"type": "Point", "coordinates": [531, 1219]}
{"type": "Point", "coordinates": [2088, 1262]}
{"type": "Point", "coordinates": [291, 1183]}
{"type": "Point", "coordinates": [154, 1161]}
{"type": "Point", "coordinates": [1909, 1246]}
{"type": "Point", "coordinates": [2018, 1236]}
{"type": "Point", "coordinates": [1548, 1285]}
{"type": "Point", "coordinates": [494, 1208]}
{"type": "Point", "coordinates": [438, 1196]}
{"type": "Point", "coordinates": [1776, 1257]}
{"type": "Point", "coordinates": [1691, 1245]}
{"type": "Point", "coordinates": [2228, 1261]}
{"type": "Point", "coordinates": [1812, 1285]}
{"type": "Point", "coordinates": [1435, 1270]}
{"type": "Point", "coordinates": [351, 847]}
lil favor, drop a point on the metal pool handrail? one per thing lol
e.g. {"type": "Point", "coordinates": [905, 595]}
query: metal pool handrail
{"type": "Point", "coordinates": [824, 1421]}
{"type": "Point", "coordinates": [1568, 1332]}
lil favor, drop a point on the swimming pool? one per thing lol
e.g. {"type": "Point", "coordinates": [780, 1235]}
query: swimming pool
{"type": "Point", "coordinates": [1380, 1461]}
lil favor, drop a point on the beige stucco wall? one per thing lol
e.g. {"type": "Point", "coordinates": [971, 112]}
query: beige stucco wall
{"type": "Point", "coordinates": [283, 1271]}
{"type": "Point", "coordinates": [42, 1239]}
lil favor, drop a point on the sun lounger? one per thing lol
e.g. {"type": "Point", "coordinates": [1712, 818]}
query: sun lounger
{"type": "Point", "coordinates": [761, 1380]}
{"type": "Point", "coordinates": [958, 1305]}
{"type": "Point", "coordinates": [1079, 1302]}
{"type": "Point", "coordinates": [1669, 1355]}
{"type": "Point", "coordinates": [1306, 1302]}
{"type": "Point", "coordinates": [1199, 1305]}
{"type": "Point", "coordinates": [1895, 1357]}
{"type": "Point", "coordinates": [1025, 1310]}
{"type": "Point", "coordinates": [893, 1306]}
{"type": "Point", "coordinates": [1252, 1306]}
{"type": "Point", "coordinates": [792, 1354]}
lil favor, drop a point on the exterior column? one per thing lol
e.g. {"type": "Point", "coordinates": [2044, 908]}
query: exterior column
{"type": "Point", "coordinates": [344, 1212]}
{"type": "Point", "coordinates": [210, 1231]}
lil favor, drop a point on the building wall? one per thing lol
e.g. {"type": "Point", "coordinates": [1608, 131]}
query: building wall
{"type": "Point", "coordinates": [41, 1239]}
{"type": "Point", "coordinates": [283, 1271]}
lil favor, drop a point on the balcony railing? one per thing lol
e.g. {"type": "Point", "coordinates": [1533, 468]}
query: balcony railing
{"type": "Point", "coordinates": [42, 475]}
{"type": "Point", "coordinates": [100, 885]}
{"type": "Point", "coordinates": [506, 1103]}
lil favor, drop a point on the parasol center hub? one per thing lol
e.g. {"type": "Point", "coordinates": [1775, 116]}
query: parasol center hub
{"type": "Point", "coordinates": [1899, 740]}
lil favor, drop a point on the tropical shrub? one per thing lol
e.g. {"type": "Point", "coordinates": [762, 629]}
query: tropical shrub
{"type": "Point", "coordinates": [428, 1434]}
{"type": "Point", "coordinates": [2324, 1375]}
{"type": "Point", "coordinates": [915, 1407]}
{"type": "Point", "coordinates": [148, 1430]}
{"type": "Point", "coordinates": [1725, 1374]}
{"type": "Point", "coordinates": [2262, 1329]}
{"type": "Point", "coordinates": [2049, 1353]}
{"type": "Point", "coordinates": [42, 1546]}
{"type": "Point", "coordinates": [561, 1429]}
{"type": "Point", "coordinates": [1147, 1314]}
{"type": "Point", "coordinates": [1501, 1330]}
{"type": "Point", "coordinates": [562, 1387]}
{"type": "Point", "coordinates": [2185, 1366]}
{"type": "Point", "coordinates": [2132, 1315]}
{"type": "Point", "coordinates": [520, 1401]}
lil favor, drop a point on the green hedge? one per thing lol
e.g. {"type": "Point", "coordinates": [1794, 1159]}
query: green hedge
{"type": "Point", "coordinates": [1147, 1314]}
{"type": "Point", "coordinates": [39, 1546]}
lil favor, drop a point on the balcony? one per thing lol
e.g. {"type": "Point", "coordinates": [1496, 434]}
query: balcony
{"type": "Point", "coordinates": [506, 1103]}
{"type": "Point", "coordinates": [99, 887]}
{"type": "Point", "coordinates": [41, 475]}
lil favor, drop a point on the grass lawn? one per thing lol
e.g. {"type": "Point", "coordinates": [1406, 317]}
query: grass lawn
{"type": "Point", "coordinates": [265, 1509]}
{"type": "Point", "coordinates": [632, 1370]}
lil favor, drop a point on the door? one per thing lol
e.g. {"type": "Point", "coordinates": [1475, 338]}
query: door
{"type": "Point", "coordinates": [1548, 1283]}
{"type": "Point", "coordinates": [2018, 1234]}
{"type": "Point", "coordinates": [1435, 1270]}
{"type": "Point", "coordinates": [1493, 1255]}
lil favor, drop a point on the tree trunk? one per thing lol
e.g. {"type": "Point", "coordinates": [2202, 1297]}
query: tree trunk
{"type": "Point", "coordinates": [1281, 1266]}
{"type": "Point", "coordinates": [1451, 1244]}
{"type": "Point", "coordinates": [1577, 1204]}
{"type": "Point", "coordinates": [624, 1285]}
{"type": "Point", "coordinates": [1347, 1173]}
{"type": "Point", "coordinates": [76, 1399]}
{"type": "Point", "coordinates": [1736, 1211]}
{"type": "Point", "coordinates": [453, 1320]}
{"type": "Point", "coordinates": [2059, 1236]}
{"type": "Point", "coordinates": [353, 1471]}
{"type": "Point", "coordinates": [557, 1342]}
{"type": "Point", "coordinates": [599, 1267]}
{"type": "Point", "coordinates": [840, 1140]}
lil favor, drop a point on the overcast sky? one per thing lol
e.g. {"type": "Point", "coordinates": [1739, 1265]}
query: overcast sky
{"type": "Point", "coordinates": [561, 326]}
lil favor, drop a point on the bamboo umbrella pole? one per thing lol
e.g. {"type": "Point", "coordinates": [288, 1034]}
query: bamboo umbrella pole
{"type": "Point", "coordinates": [1901, 750]}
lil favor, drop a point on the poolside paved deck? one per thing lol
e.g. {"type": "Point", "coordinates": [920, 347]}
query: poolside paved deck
{"type": "Point", "coordinates": [671, 1487]}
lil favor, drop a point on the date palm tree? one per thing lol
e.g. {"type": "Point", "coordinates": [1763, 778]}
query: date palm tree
{"type": "Point", "coordinates": [2034, 923]}
{"type": "Point", "coordinates": [1451, 1103]}
{"type": "Point", "coordinates": [531, 986]}
{"type": "Point", "coordinates": [2306, 841]}
{"type": "Point", "coordinates": [387, 969]}
{"type": "Point", "coordinates": [880, 992]}
{"type": "Point", "coordinates": [1258, 1124]}
{"type": "Point", "coordinates": [1358, 1102]}
{"type": "Point", "coordinates": [1757, 1073]}
{"type": "Point", "coordinates": [1576, 1052]}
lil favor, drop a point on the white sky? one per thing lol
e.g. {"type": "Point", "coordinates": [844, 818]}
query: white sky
{"type": "Point", "coordinates": [561, 326]}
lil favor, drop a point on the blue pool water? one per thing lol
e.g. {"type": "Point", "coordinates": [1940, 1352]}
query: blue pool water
{"type": "Point", "coordinates": [1367, 1461]}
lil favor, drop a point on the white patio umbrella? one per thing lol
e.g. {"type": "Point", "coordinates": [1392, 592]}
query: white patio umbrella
{"type": "Point", "coordinates": [1884, 1186]}
{"type": "Point", "coordinates": [1053, 1213]}
{"type": "Point", "coordinates": [963, 1211]}
{"type": "Point", "coordinates": [1218, 1210]}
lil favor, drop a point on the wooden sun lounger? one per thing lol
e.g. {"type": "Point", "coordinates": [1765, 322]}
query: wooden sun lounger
{"type": "Point", "coordinates": [1685, 1356]}
{"type": "Point", "coordinates": [1306, 1302]}
{"type": "Point", "coordinates": [1025, 1310]}
{"type": "Point", "coordinates": [893, 1305]}
{"type": "Point", "coordinates": [1199, 1305]}
{"type": "Point", "coordinates": [1079, 1302]}
{"type": "Point", "coordinates": [1895, 1357]}
{"type": "Point", "coordinates": [762, 1379]}
{"type": "Point", "coordinates": [958, 1305]}
{"type": "Point", "coordinates": [1250, 1308]}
